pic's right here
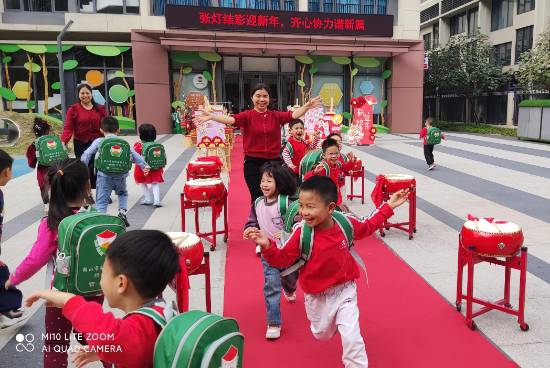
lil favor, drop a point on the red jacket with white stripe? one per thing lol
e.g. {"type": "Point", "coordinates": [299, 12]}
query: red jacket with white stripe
{"type": "Point", "coordinates": [299, 149]}
{"type": "Point", "coordinates": [331, 263]}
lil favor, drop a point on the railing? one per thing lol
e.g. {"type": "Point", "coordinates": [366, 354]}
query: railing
{"type": "Point", "coordinates": [349, 6]}
{"type": "Point", "coordinates": [288, 5]}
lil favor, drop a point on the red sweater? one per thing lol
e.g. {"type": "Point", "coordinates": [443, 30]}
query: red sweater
{"type": "Point", "coordinates": [334, 175]}
{"type": "Point", "coordinates": [41, 170]}
{"type": "Point", "coordinates": [84, 124]}
{"type": "Point", "coordinates": [424, 134]}
{"type": "Point", "coordinates": [262, 131]}
{"type": "Point", "coordinates": [331, 262]}
{"type": "Point", "coordinates": [134, 338]}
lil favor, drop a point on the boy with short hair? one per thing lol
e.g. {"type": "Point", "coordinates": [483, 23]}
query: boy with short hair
{"type": "Point", "coordinates": [131, 279]}
{"type": "Point", "coordinates": [296, 146]}
{"type": "Point", "coordinates": [10, 298]}
{"type": "Point", "coordinates": [112, 182]}
{"type": "Point", "coordinates": [429, 148]}
{"type": "Point", "coordinates": [331, 160]}
{"type": "Point", "coordinates": [327, 278]}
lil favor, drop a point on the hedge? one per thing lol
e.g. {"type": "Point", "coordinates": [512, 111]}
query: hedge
{"type": "Point", "coordinates": [476, 128]}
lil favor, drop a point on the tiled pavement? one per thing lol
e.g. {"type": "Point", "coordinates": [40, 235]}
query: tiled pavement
{"type": "Point", "coordinates": [485, 176]}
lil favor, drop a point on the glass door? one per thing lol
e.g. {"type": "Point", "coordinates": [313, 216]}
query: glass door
{"type": "Point", "coordinates": [232, 91]}
{"type": "Point", "coordinates": [249, 80]}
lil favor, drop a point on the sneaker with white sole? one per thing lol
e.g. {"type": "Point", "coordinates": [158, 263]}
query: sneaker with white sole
{"type": "Point", "coordinates": [146, 202]}
{"type": "Point", "coordinates": [258, 250]}
{"type": "Point", "coordinates": [289, 296]}
{"type": "Point", "coordinates": [157, 204]}
{"type": "Point", "coordinates": [431, 167]}
{"type": "Point", "coordinates": [12, 317]}
{"type": "Point", "coordinates": [273, 332]}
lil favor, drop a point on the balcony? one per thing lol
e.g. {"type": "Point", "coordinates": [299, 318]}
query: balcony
{"type": "Point", "coordinates": [159, 6]}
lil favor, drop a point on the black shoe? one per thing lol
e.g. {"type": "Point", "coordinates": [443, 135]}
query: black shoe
{"type": "Point", "coordinates": [124, 219]}
{"type": "Point", "coordinates": [110, 201]}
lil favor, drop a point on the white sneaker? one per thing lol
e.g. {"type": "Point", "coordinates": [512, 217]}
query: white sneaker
{"type": "Point", "coordinates": [431, 167]}
{"type": "Point", "coordinates": [11, 318]}
{"type": "Point", "coordinates": [290, 296]}
{"type": "Point", "coordinates": [273, 332]}
{"type": "Point", "coordinates": [258, 250]}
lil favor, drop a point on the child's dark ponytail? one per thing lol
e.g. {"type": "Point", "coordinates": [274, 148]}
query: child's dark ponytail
{"type": "Point", "coordinates": [68, 182]}
{"type": "Point", "coordinates": [40, 127]}
{"type": "Point", "coordinates": [286, 181]}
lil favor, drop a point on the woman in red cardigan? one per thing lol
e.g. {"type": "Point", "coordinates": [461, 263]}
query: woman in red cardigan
{"type": "Point", "coordinates": [262, 132]}
{"type": "Point", "coordinates": [83, 122]}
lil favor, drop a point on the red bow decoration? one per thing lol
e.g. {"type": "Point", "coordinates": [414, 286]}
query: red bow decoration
{"type": "Point", "coordinates": [377, 192]}
{"type": "Point", "coordinates": [354, 102]}
{"type": "Point", "coordinates": [488, 219]}
{"type": "Point", "coordinates": [362, 100]}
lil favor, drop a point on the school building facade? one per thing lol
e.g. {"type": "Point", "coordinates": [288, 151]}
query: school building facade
{"type": "Point", "coordinates": [142, 55]}
{"type": "Point", "coordinates": [512, 26]}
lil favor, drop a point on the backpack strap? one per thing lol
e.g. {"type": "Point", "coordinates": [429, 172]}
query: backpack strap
{"type": "Point", "coordinates": [344, 157]}
{"type": "Point", "coordinates": [282, 204]}
{"type": "Point", "coordinates": [306, 247]}
{"type": "Point", "coordinates": [156, 316]}
{"type": "Point", "coordinates": [257, 201]}
{"type": "Point", "coordinates": [290, 149]}
{"type": "Point", "coordinates": [291, 213]}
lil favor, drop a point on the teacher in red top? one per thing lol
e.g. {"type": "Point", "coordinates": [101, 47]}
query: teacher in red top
{"type": "Point", "coordinates": [83, 122]}
{"type": "Point", "coordinates": [262, 132]}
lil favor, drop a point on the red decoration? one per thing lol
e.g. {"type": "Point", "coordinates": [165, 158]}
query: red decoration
{"type": "Point", "coordinates": [364, 119]}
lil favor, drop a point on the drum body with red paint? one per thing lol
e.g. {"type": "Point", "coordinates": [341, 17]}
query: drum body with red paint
{"type": "Point", "coordinates": [395, 182]}
{"type": "Point", "coordinates": [190, 247]}
{"type": "Point", "coordinates": [204, 190]}
{"type": "Point", "coordinates": [204, 169]}
{"type": "Point", "coordinates": [503, 240]}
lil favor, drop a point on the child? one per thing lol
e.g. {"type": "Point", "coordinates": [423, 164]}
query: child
{"type": "Point", "coordinates": [429, 148]}
{"type": "Point", "coordinates": [331, 156]}
{"type": "Point", "coordinates": [40, 129]}
{"type": "Point", "coordinates": [176, 119]}
{"type": "Point", "coordinates": [295, 153]}
{"type": "Point", "coordinates": [265, 215]}
{"type": "Point", "coordinates": [10, 297]}
{"type": "Point", "coordinates": [131, 279]}
{"type": "Point", "coordinates": [148, 133]}
{"type": "Point", "coordinates": [69, 183]}
{"type": "Point", "coordinates": [112, 182]}
{"type": "Point", "coordinates": [327, 278]}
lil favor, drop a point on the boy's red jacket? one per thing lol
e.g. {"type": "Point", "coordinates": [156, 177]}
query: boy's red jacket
{"type": "Point", "coordinates": [331, 262]}
{"type": "Point", "coordinates": [334, 175]}
{"type": "Point", "coordinates": [133, 339]}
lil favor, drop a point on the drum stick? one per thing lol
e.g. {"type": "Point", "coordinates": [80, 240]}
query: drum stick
{"type": "Point", "coordinates": [498, 228]}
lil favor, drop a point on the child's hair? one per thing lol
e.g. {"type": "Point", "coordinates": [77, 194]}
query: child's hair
{"type": "Point", "coordinates": [334, 135]}
{"type": "Point", "coordinates": [147, 133]}
{"type": "Point", "coordinates": [330, 143]}
{"type": "Point", "coordinates": [147, 257]}
{"type": "Point", "coordinates": [285, 180]}
{"type": "Point", "coordinates": [68, 183]}
{"type": "Point", "coordinates": [297, 121]}
{"type": "Point", "coordinates": [323, 186]}
{"type": "Point", "coordinates": [109, 124]}
{"type": "Point", "coordinates": [40, 127]}
{"type": "Point", "coordinates": [430, 121]}
{"type": "Point", "coordinates": [6, 161]}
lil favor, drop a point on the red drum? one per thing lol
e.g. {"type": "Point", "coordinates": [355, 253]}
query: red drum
{"type": "Point", "coordinates": [492, 239]}
{"type": "Point", "coordinates": [396, 182]}
{"type": "Point", "coordinates": [356, 166]}
{"type": "Point", "coordinates": [190, 247]}
{"type": "Point", "coordinates": [203, 190]}
{"type": "Point", "coordinates": [204, 169]}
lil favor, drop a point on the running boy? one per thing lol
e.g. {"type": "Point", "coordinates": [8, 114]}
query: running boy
{"type": "Point", "coordinates": [109, 182]}
{"type": "Point", "coordinates": [327, 278]}
{"type": "Point", "coordinates": [131, 279]}
{"type": "Point", "coordinates": [429, 148]}
{"type": "Point", "coordinates": [295, 148]}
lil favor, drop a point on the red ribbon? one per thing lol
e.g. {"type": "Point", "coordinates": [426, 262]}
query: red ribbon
{"type": "Point", "coordinates": [377, 192]}
{"type": "Point", "coordinates": [488, 219]}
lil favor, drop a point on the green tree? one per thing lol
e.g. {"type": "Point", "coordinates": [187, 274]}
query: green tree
{"type": "Point", "coordinates": [534, 66]}
{"type": "Point", "coordinates": [465, 67]}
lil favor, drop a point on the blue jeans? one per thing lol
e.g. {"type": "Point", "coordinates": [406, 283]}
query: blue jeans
{"type": "Point", "coordinates": [105, 185]}
{"type": "Point", "coordinates": [272, 290]}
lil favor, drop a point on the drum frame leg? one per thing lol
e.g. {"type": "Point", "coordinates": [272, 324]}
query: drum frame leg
{"type": "Point", "coordinates": [408, 227]}
{"type": "Point", "coordinates": [469, 258]}
{"type": "Point", "coordinates": [182, 284]}
{"type": "Point", "coordinates": [362, 196]}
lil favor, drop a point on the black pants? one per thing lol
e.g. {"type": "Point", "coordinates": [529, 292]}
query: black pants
{"type": "Point", "coordinates": [252, 175]}
{"type": "Point", "coordinates": [429, 153]}
{"type": "Point", "coordinates": [79, 148]}
{"type": "Point", "coordinates": [45, 195]}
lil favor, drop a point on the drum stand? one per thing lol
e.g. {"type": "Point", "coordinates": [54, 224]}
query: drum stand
{"type": "Point", "coordinates": [411, 225]}
{"type": "Point", "coordinates": [357, 174]}
{"type": "Point", "coordinates": [470, 258]}
{"type": "Point", "coordinates": [181, 286]}
{"type": "Point", "coordinates": [211, 236]}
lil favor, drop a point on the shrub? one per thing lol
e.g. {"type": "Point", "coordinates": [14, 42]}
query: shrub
{"type": "Point", "coordinates": [475, 128]}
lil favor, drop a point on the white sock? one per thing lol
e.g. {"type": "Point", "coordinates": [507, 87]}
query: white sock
{"type": "Point", "coordinates": [145, 191]}
{"type": "Point", "coordinates": [156, 190]}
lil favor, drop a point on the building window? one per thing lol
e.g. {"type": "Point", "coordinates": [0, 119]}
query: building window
{"type": "Point", "coordinates": [472, 21]}
{"type": "Point", "coordinates": [436, 34]}
{"type": "Point", "coordinates": [503, 53]}
{"type": "Point", "coordinates": [525, 6]}
{"type": "Point", "coordinates": [502, 14]}
{"type": "Point", "coordinates": [244, 4]}
{"type": "Point", "coordinates": [458, 24]}
{"type": "Point", "coordinates": [38, 5]}
{"type": "Point", "coordinates": [349, 6]}
{"type": "Point", "coordinates": [110, 6]}
{"type": "Point", "coordinates": [524, 40]}
{"type": "Point", "coordinates": [427, 41]}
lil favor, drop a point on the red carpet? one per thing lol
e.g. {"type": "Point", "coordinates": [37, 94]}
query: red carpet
{"type": "Point", "coordinates": [404, 322]}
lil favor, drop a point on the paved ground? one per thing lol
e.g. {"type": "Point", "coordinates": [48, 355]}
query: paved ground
{"type": "Point", "coordinates": [481, 175]}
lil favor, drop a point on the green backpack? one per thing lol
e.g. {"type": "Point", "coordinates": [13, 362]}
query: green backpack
{"type": "Point", "coordinates": [433, 136]}
{"type": "Point", "coordinates": [154, 155]}
{"type": "Point", "coordinates": [113, 156]}
{"type": "Point", "coordinates": [49, 150]}
{"type": "Point", "coordinates": [309, 162]}
{"type": "Point", "coordinates": [306, 242]}
{"type": "Point", "coordinates": [198, 339]}
{"type": "Point", "coordinates": [83, 239]}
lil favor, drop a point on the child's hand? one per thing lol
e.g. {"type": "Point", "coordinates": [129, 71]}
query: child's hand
{"type": "Point", "coordinates": [317, 132]}
{"type": "Point", "coordinates": [258, 237]}
{"type": "Point", "coordinates": [53, 298]}
{"type": "Point", "coordinates": [398, 198]}
{"type": "Point", "coordinates": [351, 156]}
{"type": "Point", "coordinates": [84, 357]}
{"type": "Point", "coordinates": [277, 235]}
{"type": "Point", "coordinates": [246, 234]}
{"type": "Point", "coordinates": [8, 283]}
{"type": "Point", "coordinates": [203, 117]}
{"type": "Point", "coordinates": [292, 166]}
{"type": "Point", "coordinates": [318, 168]}
{"type": "Point", "coordinates": [146, 170]}
{"type": "Point", "coordinates": [445, 138]}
